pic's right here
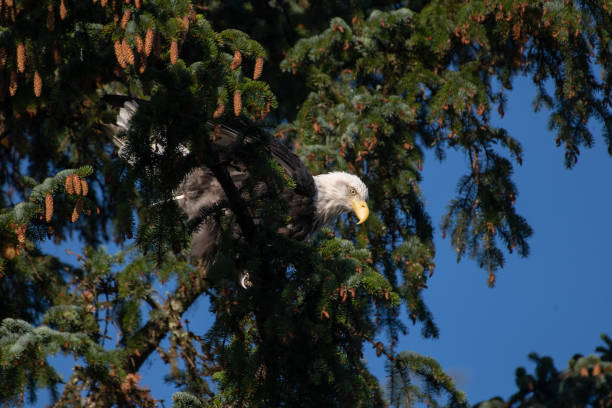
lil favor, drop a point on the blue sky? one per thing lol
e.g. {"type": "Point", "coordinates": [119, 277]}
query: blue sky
{"type": "Point", "coordinates": [554, 302]}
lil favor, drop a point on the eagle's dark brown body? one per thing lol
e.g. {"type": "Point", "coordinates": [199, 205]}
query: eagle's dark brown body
{"type": "Point", "coordinates": [312, 202]}
{"type": "Point", "coordinates": [201, 190]}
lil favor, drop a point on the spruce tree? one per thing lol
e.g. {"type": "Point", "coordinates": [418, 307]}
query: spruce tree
{"type": "Point", "coordinates": [372, 85]}
{"type": "Point", "coordinates": [585, 382]}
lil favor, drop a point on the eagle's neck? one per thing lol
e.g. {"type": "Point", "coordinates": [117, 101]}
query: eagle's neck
{"type": "Point", "coordinates": [329, 200]}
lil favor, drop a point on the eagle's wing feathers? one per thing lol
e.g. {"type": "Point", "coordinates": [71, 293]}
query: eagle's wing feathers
{"type": "Point", "coordinates": [201, 190]}
{"type": "Point", "coordinates": [294, 167]}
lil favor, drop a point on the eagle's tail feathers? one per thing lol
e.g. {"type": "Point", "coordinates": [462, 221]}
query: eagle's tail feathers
{"type": "Point", "coordinates": [125, 114]}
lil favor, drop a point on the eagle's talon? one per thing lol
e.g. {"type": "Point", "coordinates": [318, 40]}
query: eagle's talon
{"type": "Point", "coordinates": [245, 281]}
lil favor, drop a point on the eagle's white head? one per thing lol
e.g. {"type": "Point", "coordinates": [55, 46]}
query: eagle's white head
{"type": "Point", "coordinates": [339, 193]}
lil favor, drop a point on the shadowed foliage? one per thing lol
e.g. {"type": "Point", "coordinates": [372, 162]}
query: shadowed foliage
{"type": "Point", "coordinates": [361, 86]}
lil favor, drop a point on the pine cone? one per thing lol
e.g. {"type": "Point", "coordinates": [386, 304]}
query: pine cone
{"type": "Point", "coordinates": [13, 83]}
{"type": "Point", "coordinates": [126, 17]}
{"type": "Point", "coordinates": [57, 58]}
{"type": "Point", "coordinates": [50, 18]}
{"type": "Point", "coordinates": [219, 111]}
{"type": "Point", "coordinates": [148, 45]}
{"type": "Point", "coordinates": [119, 54]}
{"type": "Point", "coordinates": [2, 57]}
{"type": "Point", "coordinates": [596, 370]}
{"type": "Point", "coordinates": [84, 187]}
{"type": "Point", "coordinates": [103, 3]}
{"type": "Point", "coordinates": [76, 212]}
{"type": "Point", "coordinates": [37, 84]}
{"type": "Point", "coordinates": [258, 68]}
{"type": "Point", "coordinates": [139, 44]}
{"type": "Point", "coordinates": [63, 10]}
{"type": "Point", "coordinates": [21, 57]}
{"type": "Point", "coordinates": [137, 3]}
{"type": "Point", "coordinates": [69, 185]}
{"type": "Point", "coordinates": [173, 52]}
{"type": "Point", "coordinates": [76, 182]}
{"type": "Point", "coordinates": [48, 207]}
{"type": "Point", "coordinates": [185, 21]}
{"type": "Point", "coordinates": [117, 46]}
{"type": "Point", "coordinates": [128, 53]}
{"type": "Point", "coordinates": [237, 103]}
{"type": "Point", "coordinates": [20, 231]}
{"type": "Point", "coordinates": [237, 60]}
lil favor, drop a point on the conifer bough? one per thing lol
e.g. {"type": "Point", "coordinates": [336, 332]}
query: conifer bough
{"type": "Point", "coordinates": [382, 88]}
{"type": "Point", "coordinates": [313, 201]}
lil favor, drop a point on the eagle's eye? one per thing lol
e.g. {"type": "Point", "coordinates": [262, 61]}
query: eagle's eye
{"type": "Point", "coordinates": [353, 191]}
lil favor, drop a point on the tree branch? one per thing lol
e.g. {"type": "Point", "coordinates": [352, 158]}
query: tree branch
{"type": "Point", "coordinates": [235, 201]}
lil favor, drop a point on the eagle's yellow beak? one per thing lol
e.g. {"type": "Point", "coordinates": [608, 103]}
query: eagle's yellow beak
{"type": "Point", "coordinates": [361, 210]}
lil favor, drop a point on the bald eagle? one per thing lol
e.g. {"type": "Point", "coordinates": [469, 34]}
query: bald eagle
{"type": "Point", "coordinates": [314, 201]}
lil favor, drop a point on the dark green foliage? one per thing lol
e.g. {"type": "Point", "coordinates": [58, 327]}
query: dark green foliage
{"type": "Point", "coordinates": [363, 86]}
{"type": "Point", "coordinates": [185, 400]}
{"type": "Point", "coordinates": [397, 82]}
{"type": "Point", "coordinates": [587, 381]}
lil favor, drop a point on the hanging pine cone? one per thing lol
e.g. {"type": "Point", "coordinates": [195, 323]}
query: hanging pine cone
{"type": "Point", "coordinates": [76, 212]}
{"type": "Point", "coordinates": [128, 53]}
{"type": "Point", "coordinates": [76, 182]}
{"type": "Point", "coordinates": [258, 68]}
{"type": "Point", "coordinates": [103, 3]}
{"type": "Point", "coordinates": [69, 185]}
{"type": "Point", "coordinates": [37, 84]}
{"type": "Point", "coordinates": [13, 83]}
{"type": "Point", "coordinates": [63, 10]}
{"type": "Point", "coordinates": [57, 58]}
{"type": "Point", "coordinates": [126, 18]}
{"type": "Point", "coordinates": [48, 207]}
{"type": "Point", "coordinates": [84, 187]}
{"type": "Point", "coordinates": [148, 45]}
{"type": "Point", "coordinates": [237, 60]}
{"type": "Point", "coordinates": [219, 111]}
{"type": "Point", "coordinates": [2, 57]}
{"type": "Point", "coordinates": [20, 231]}
{"type": "Point", "coordinates": [237, 103]}
{"type": "Point", "coordinates": [139, 44]}
{"type": "Point", "coordinates": [173, 52]}
{"type": "Point", "coordinates": [119, 54]}
{"type": "Point", "coordinates": [21, 57]}
{"type": "Point", "coordinates": [50, 18]}
{"type": "Point", "coordinates": [137, 3]}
